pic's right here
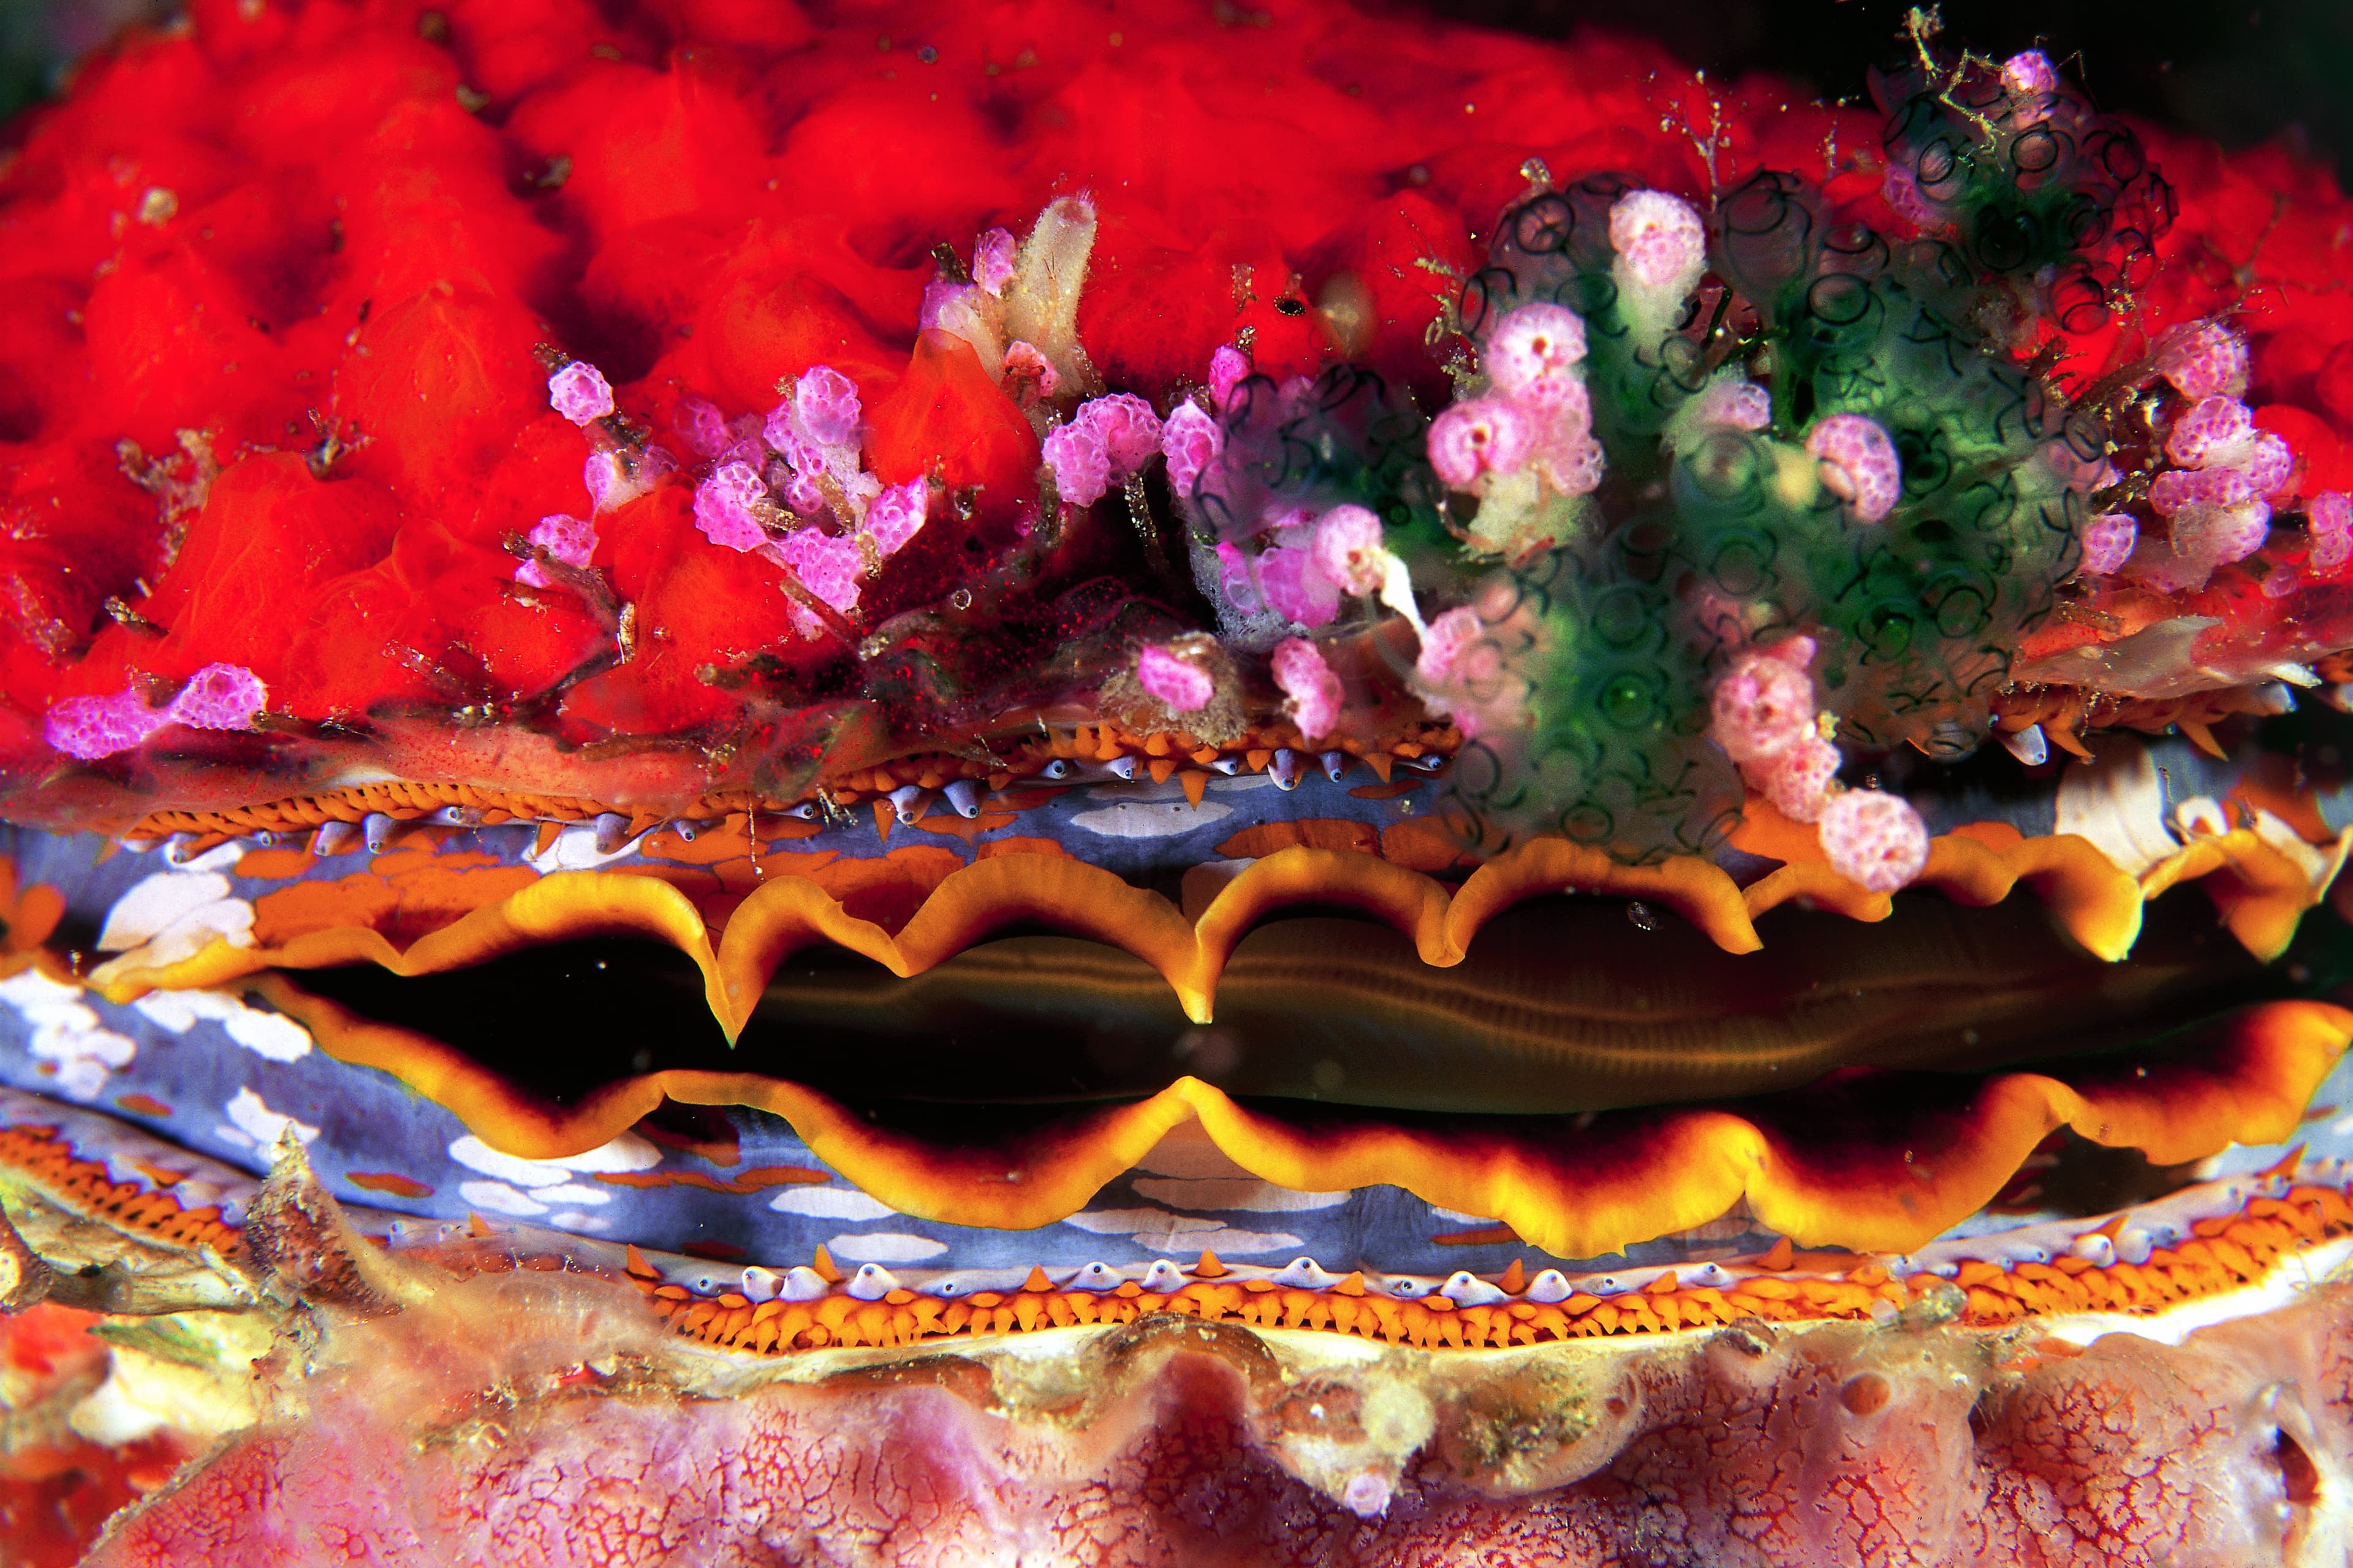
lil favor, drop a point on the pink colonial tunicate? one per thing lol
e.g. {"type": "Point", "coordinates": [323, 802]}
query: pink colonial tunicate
{"type": "Point", "coordinates": [1184, 687]}
{"type": "Point", "coordinates": [2109, 541]}
{"type": "Point", "coordinates": [1662, 243]}
{"type": "Point", "coordinates": [1315, 692]}
{"type": "Point", "coordinates": [1238, 579]}
{"type": "Point", "coordinates": [1735, 404]}
{"type": "Point", "coordinates": [1443, 640]}
{"type": "Point", "coordinates": [2029, 75]}
{"type": "Point", "coordinates": [1346, 548]}
{"type": "Point", "coordinates": [702, 426]}
{"type": "Point", "coordinates": [825, 402]}
{"type": "Point", "coordinates": [1798, 782]}
{"type": "Point", "coordinates": [93, 727]}
{"type": "Point", "coordinates": [1227, 369]}
{"type": "Point", "coordinates": [1293, 588]}
{"type": "Point", "coordinates": [580, 392]}
{"type": "Point", "coordinates": [1572, 464]}
{"type": "Point", "coordinates": [1191, 441]}
{"type": "Point", "coordinates": [1533, 351]}
{"type": "Point", "coordinates": [949, 305]}
{"type": "Point", "coordinates": [1874, 840]}
{"type": "Point", "coordinates": [894, 516]}
{"type": "Point", "coordinates": [1901, 189]}
{"type": "Point", "coordinates": [827, 564]}
{"type": "Point", "coordinates": [724, 507]}
{"type": "Point", "coordinates": [797, 485]}
{"type": "Point", "coordinates": [2203, 360]}
{"type": "Point", "coordinates": [1106, 443]}
{"type": "Point", "coordinates": [2270, 465]}
{"type": "Point", "coordinates": [1081, 468]}
{"type": "Point", "coordinates": [1129, 430]}
{"type": "Point", "coordinates": [1765, 703]}
{"type": "Point", "coordinates": [2329, 523]}
{"type": "Point", "coordinates": [2177, 489]}
{"type": "Point", "coordinates": [1858, 464]}
{"type": "Point", "coordinates": [566, 539]}
{"type": "Point", "coordinates": [1480, 436]}
{"type": "Point", "coordinates": [2216, 431]}
{"type": "Point", "coordinates": [612, 482]}
{"type": "Point", "coordinates": [219, 697]}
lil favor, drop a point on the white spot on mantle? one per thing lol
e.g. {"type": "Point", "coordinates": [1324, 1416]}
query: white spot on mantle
{"type": "Point", "coordinates": [885, 1247]}
{"type": "Point", "coordinates": [253, 1125]}
{"type": "Point", "coordinates": [271, 1035]}
{"type": "Point", "coordinates": [829, 1203]}
{"type": "Point", "coordinates": [626, 1152]}
{"type": "Point", "coordinates": [1150, 819]}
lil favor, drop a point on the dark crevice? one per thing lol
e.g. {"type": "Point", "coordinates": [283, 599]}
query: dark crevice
{"type": "Point", "coordinates": [1563, 1005]}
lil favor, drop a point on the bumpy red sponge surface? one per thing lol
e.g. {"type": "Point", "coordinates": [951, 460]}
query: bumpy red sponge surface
{"type": "Point", "coordinates": [272, 285]}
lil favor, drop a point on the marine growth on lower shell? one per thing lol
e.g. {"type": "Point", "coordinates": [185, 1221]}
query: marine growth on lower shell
{"type": "Point", "coordinates": [1101, 785]}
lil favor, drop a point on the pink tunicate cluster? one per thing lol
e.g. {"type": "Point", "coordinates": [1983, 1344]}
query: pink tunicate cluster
{"type": "Point", "coordinates": [1858, 464]}
{"type": "Point", "coordinates": [580, 392]}
{"type": "Point", "coordinates": [1313, 562]}
{"type": "Point", "coordinates": [726, 507]}
{"type": "Point", "coordinates": [93, 727]}
{"type": "Point", "coordinates": [1537, 410]}
{"type": "Point", "coordinates": [805, 453]}
{"type": "Point", "coordinates": [2108, 543]}
{"type": "Point", "coordinates": [614, 480]}
{"type": "Point", "coordinates": [832, 566]}
{"type": "Point", "coordinates": [702, 427]}
{"type": "Point", "coordinates": [1190, 439]}
{"type": "Point", "coordinates": [2179, 489]}
{"type": "Point", "coordinates": [1874, 840]}
{"type": "Point", "coordinates": [1182, 687]}
{"type": "Point", "coordinates": [1464, 674]}
{"type": "Point", "coordinates": [1228, 368]}
{"type": "Point", "coordinates": [2218, 500]}
{"type": "Point", "coordinates": [2329, 523]}
{"type": "Point", "coordinates": [2203, 359]}
{"type": "Point", "coordinates": [1906, 198]}
{"type": "Point", "coordinates": [1662, 243]}
{"type": "Point", "coordinates": [1443, 642]}
{"type": "Point", "coordinates": [1765, 704]}
{"type": "Point", "coordinates": [827, 564]}
{"type": "Point", "coordinates": [567, 539]}
{"type": "Point", "coordinates": [963, 308]}
{"type": "Point", "coordinates": [1106, 443]}
{"type": "Point", "coordinates": [217, 697]}
{"type": "Point", "coordinates": [1291, 584]}
{"type": "Point", "coordinates": [1535, 349]}
{"type": "Point", "coordinates": [1478, 437]}
{"type": "Point", "coordinates": [1315, 691]}
{"type": "Point", "coordinates": [1734, 405]}
{"type": "Point", "coordinates": [814, 435]}
{"type": "Point", "coordinates": [894, 516]}
{"type": "Point", "coordinates": [1800, 781]}
{"type": "Point", "coordinates": [1346, 548]}
{"type": "Point", "coordinates": [2029, 75]}
{"type": "Point", "coordinates": [825, 405]}
{"type": "Point", "coordinates": [2215, 431]}
{"type": "Point", "coordinates": [1763, 716]}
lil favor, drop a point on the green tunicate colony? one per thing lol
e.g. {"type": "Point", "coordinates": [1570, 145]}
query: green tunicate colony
{"type": "Point", "coordinates": [1601, 649]}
